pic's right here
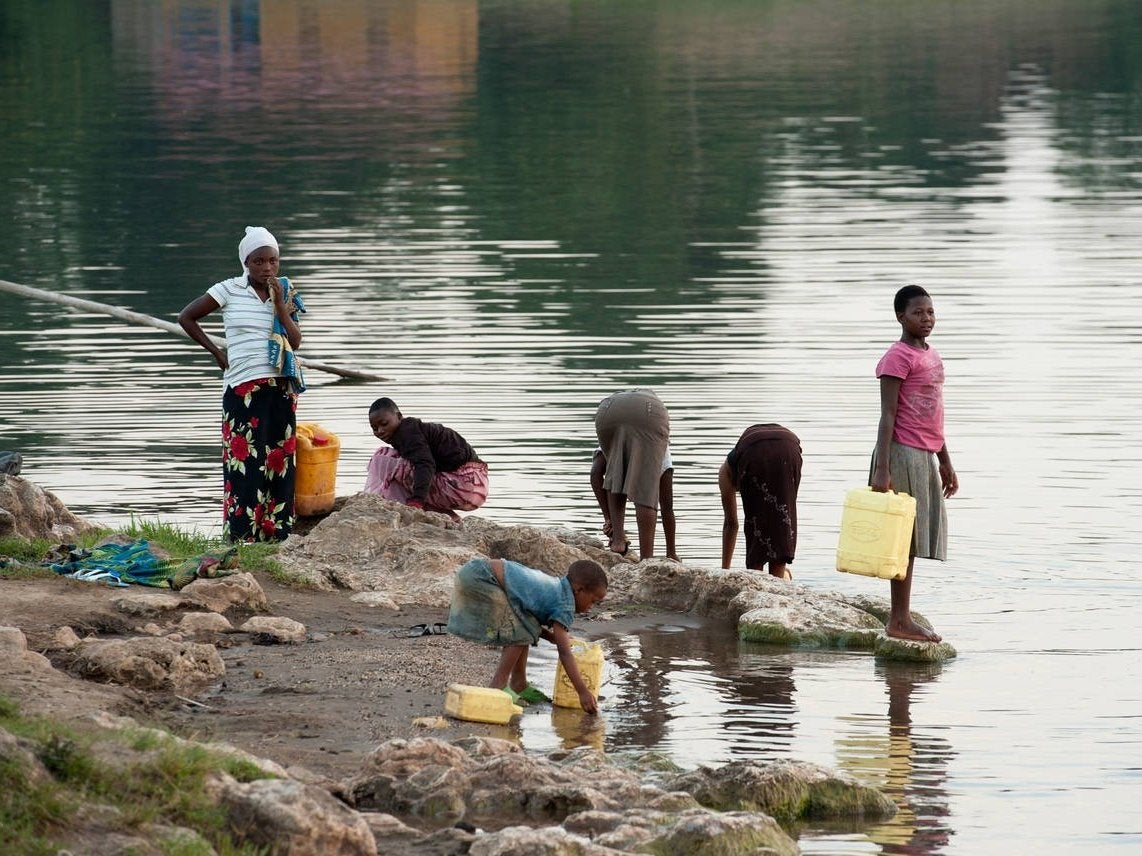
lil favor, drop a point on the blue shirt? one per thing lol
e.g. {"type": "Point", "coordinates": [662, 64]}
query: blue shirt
{"type": "Point", "coordinates": [546, 597]}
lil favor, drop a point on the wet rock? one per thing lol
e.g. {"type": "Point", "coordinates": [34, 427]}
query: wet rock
{"type": "Point", "coordinates": [148, 663]}
{"type": "Point", "coordinates": [490, 782]}
{"type": "Point", "coordinates": [218, 595]}
{"type": "Point", "coordinates": [889, 648]}
{"type": "Point", "coordinates": [526, 841]}
{"type": "Point", "coordinates": [802, 617]}
{"type": "Point", "coordinates": [274, 630]}
{"type": "Point", "coordinates": [787, 790]}
{"type": "Point", "coordinates": [286, 816]}
{"type": "Point", "coordinates": [29, 511]}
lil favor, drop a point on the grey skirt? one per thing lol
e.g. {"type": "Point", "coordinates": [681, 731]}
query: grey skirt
{"type": "Point", "coordinates": [915, 473]}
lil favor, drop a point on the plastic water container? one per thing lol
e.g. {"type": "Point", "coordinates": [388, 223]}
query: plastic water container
{"type": "Point", "coordinates": [315, 487]}
{"type": "Point", "coordinates": [589, 658]}
{"type": "Point", "coordinates": [480, 704]}
{"type": "Point", "coordinates": [876, 533]}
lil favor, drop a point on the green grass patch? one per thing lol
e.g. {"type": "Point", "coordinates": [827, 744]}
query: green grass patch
{"type": "Point", "coordinates": [145, 776]}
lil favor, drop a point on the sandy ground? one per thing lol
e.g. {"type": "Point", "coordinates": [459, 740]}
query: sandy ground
{"type": "Point", "coordinates": [323, 705]}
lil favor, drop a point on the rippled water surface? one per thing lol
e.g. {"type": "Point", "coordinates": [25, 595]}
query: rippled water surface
{"type": "Point", "coordinates": [512, 209]}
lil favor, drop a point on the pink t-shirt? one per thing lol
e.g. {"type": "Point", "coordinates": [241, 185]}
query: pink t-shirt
{"type": "Point", "coordinates": [920, 408]}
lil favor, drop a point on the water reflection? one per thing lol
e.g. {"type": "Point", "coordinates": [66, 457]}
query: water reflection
{"type": "Point", "coordinates": [908, 765]}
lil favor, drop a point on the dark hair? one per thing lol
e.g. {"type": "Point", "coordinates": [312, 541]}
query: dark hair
{"type": "Point", "coordinates": [589, 575]}
{"type": "Point", "coordinates": [904, 295]}
{"type": "Point", "coordinates": [384, 404]}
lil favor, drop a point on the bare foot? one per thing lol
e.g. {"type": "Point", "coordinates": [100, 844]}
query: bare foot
{"type": "Point", "coordinates": [620, 546]}
{"type": "Point", "coordinates": [911, 631]}
{"type": "Point", "coordinates": [673, 556]}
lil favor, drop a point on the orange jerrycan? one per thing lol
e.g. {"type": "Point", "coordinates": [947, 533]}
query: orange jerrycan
{"type": "Point", "coordinates": [876, 532]}
{"type": "Point", "coordinates": [315, 487]}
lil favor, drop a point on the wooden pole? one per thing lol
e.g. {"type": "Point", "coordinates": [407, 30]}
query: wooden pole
{"type": "Point", "coordinates": [151, 321]}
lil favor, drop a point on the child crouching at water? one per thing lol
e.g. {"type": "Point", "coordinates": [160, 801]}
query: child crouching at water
{"type": "Point", "coordinates": [500, 602]}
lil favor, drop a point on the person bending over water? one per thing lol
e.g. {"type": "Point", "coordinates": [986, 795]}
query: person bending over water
{"type": "Point", "coordinates": [765, 466]}
{"type": "Point", "coordinates": [633, 429]}
{"type": "Point", "coordinates": [429, 466]}
{"type": "Point", "coordinates": [498, 602]}
{"type": "Point", "coordinates": [911, 454]}
{"type": "Point", "coordinates": [665, 499]}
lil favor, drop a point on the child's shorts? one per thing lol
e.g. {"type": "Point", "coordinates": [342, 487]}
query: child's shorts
{"type": "Point", "coordinates": [481, 611]}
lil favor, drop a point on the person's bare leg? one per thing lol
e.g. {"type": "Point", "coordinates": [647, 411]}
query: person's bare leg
{"type": "Point", "coordinates": [506, 668]}
{"type": "Point", "coordinates": [779, 570]}
{"type": "Point", "coordinates": [666, 508]}
{"type": "Point", "coordinates": [647, 519]}
{"type": "Point", "coordinates": [519, 673]}
{"type": "Point", "coordinates": [617, 503]}
{"type": "Point", "coordinates": [900, 623]}
{"type": "Point", "coordinates": [598, 470]}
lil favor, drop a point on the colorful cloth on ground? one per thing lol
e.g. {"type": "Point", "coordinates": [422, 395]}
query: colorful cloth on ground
{"type": "Point", "coordinates": [920, 405]}
{"type": "Point", "coordinates": [280, 353]}
{"type": "Point", "coordinates": [259, 443]}
{"type": "Point", "coordinates": [482, 611]}
{"type": "Point", "coordinates": [463, 489]}
{"type": "Point", "coordinates": [915, 472]}
{"type": "Point", "coordinates": [766, 467]}
{"type": "Point", "coordinates": [135, 562]}
{"type": "Point", "coordinates": [633, 428]}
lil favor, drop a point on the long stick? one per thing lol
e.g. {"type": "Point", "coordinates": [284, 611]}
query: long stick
{"type": "Point", "coordinates": [151, 321]}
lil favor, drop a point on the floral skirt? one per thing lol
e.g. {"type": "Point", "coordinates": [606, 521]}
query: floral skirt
{"type": "Point", "coordinates": [258, 463]}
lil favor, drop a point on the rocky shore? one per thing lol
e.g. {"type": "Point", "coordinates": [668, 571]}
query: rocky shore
{"type": "Point", "coordinates": [321, 687]}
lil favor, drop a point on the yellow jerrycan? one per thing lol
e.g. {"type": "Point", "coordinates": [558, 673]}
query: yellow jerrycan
{"type": "Point", "coordinates": [876, 533]}
{"type": "Point", "coordinates": [480, 704]}
{"type": "Point", "coordinates": [589, 658]}
{"type": "Point", "coordinates": [315, 486]}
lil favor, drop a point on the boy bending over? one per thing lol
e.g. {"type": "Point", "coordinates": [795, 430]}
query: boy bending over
{"type": "Point", "coordinates": [500, 602]}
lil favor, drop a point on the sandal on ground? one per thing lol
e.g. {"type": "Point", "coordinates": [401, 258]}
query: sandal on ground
{"type": "Point", "coordinates": [534, 695]}
{"type": "Point", "coordinates": [438, 628]}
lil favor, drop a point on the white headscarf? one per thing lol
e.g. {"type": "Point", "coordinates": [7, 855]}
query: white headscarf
{"type": "Point", "coordinates": [256, 238]}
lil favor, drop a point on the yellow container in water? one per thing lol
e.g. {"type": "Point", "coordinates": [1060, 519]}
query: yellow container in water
{"type": "Point", "coordinates": [480, 704]}
{"type": "Point", "coordinates": [315, 487]}
{"type": "Point", "coordinates": [589, 658]}
{"type": "Point", "coordinates": [876, 533]}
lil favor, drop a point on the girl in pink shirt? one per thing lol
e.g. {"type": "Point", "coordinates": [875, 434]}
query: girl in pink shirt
{"type": "Point", "coordinates": [911, 455]}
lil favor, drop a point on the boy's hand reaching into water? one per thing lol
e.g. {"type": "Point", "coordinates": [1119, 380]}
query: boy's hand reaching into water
{"type": "Point", "coordinates": [587, 701]}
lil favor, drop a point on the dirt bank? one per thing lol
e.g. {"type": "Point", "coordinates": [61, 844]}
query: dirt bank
{"type": "Point", "coordinates": [362, 678]}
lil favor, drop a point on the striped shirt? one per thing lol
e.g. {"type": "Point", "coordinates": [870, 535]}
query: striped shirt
{"type": "Point", "coordinates": [247, 321]}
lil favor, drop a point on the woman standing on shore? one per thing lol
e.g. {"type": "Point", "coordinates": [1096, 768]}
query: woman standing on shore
{"type": "Point", "coordinates": [262, 381]}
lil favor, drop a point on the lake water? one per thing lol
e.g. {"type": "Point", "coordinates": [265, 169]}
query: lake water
{"type": "Point", "coordinates": [512, 209]}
